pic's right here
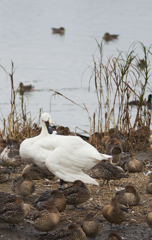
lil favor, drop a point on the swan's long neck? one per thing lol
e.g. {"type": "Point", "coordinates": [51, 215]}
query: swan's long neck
{"type": "Point", "coordinates": [32, 140]}
{"type": "Point", "coordinates": [44, 131]}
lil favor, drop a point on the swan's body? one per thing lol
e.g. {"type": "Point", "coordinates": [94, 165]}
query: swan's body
{"type": "Point", "coordinates": [65, 156]}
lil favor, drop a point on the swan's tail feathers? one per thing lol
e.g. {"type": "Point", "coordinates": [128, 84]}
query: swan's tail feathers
{"type": "Point", "coordinates": [105, 156]}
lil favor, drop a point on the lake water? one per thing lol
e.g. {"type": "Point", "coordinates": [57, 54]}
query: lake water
{"type": "Point", "coordinates": [50, 61]}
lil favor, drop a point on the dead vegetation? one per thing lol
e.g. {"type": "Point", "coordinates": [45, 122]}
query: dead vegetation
{"type": "Point", "coordinates": [119, 76]}
{"type": "Point", "coordinates": [116, 82]}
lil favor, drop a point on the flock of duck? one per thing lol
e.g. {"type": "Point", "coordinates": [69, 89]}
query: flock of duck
{"type": "Point", "coordinates": [70, 159]}
{"type": "Point", "coordinates": [28, 88]}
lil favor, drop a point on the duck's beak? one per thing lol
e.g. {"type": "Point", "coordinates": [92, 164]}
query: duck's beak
{"type": "Point", "coordinates": [49, 128]}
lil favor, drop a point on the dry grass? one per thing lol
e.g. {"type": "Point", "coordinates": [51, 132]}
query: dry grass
{"type": "Point", "coordinates": [116, 83]}
{"type": "Point", "coordinates": [18, 125]}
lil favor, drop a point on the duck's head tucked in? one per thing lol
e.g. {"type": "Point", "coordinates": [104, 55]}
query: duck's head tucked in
{"type": "Point", "coordinates": [46, 119]}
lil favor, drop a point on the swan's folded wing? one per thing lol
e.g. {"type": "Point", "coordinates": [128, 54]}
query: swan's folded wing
{"type": "Point", "coordinates": [67, 166]}
{"type": "Point", "coordinates": [61, 159]}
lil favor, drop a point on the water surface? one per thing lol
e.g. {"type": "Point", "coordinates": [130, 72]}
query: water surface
{"type": "Point", "coordinates": [61, 62]}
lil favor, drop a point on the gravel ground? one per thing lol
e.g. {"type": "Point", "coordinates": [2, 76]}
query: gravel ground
{"type": "Point", "coordinates": [134, 228]}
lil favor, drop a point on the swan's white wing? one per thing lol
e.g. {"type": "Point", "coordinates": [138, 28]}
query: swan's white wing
{"type": "Point", "coordinates": [80, 151]}
{"type": "Point", "coordinates": [67, 167]}
{"type": "Point", "coordinates": [63, 155]}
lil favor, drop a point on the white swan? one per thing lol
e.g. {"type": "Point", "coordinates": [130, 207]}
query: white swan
{"type": "Point", "coordinates": [65, 156]}
{"type": "Point", "coordinates": [31, 152]}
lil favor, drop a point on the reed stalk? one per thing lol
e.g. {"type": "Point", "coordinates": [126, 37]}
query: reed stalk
{"type": "Point", "coordinates": [120, 76]}
{"type": "Point", "coordinates": [18, 126]}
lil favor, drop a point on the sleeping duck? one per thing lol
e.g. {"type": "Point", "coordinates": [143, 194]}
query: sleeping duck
{"type": "Point", "coordinates": [47, 219]}
{"type": "Point", "coordinates": [77, 194]}
{"type": "Point", "coordinates": [54, 197]}
{"type": "Point", "coordinates": [23, 185]}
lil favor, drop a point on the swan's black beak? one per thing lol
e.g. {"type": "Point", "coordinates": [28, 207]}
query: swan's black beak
{"type": "Point", "coordinates": [49, 128]}
{"type": "Point", "coordinates": [9, 143]}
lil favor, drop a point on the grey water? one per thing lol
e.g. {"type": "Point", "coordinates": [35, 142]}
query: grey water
{"type": "Point", "coordinates": [63, 63]}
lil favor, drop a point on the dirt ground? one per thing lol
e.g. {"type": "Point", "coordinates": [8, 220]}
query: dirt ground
{"type": "Point", "coordinates": [134, 228]}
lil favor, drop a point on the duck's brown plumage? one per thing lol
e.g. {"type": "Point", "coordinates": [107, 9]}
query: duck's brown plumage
{"type": "Point", "coordinates": [73, 232]}
{"type": "Point", "coordinates": [92, 225]}
{"type": "Point", "coordinates": [77, 194]}
{"type": "Point", "coordinates": [54, 197]}
{"type": "Point", "coordinates": [128, 196]}
{"type": "Point", "coordinates": [107, 171]}
{"type": "Point", "coordinates": [25, 88]}
{"type": "Point", "coordinates": [23, 185]}
{"type": "Point", "coordinates": [114, 236]}
{"type": "Point", "coordinates": [114, 148]}
{"type": "Point", "coordinates": [142, 64]}
{"type": "Point", "coordinates": [149, 185]}
{"type": "Point", "coordinates": [114, 213]}
{"type": "Point", "coordinates": [37, 173]}
{"type": "Point", "coordinates": [14, 212]}
{"type": "Point", "coordinates": [149, 219]}
{"type": "Point", "coordinates": [6, 198]}
{"type": "Point", "coordinates": [4, 175]}
{"type": "Point", "coordinates": [134, 165]}
{"type": "Point", "coordinates": [63, 130]}
{"type": "Point", "coordinates": [109, 37]}
{"type": "Point", "coordinates": [47, 220]}
{"type": "Point", "coordinates": [60, 30]}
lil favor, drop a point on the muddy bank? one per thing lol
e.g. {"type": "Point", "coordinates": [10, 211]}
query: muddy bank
{"type": "Point", "coordinates": [134, 228]}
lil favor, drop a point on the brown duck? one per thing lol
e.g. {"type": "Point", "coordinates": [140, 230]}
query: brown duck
{"type": "Point", "coordinates": [60, 30]}
{"type": "Point", "coordinates": [114, 236]}
{"type": "Point", "coordinates": [114, 213]}
{"type": "Point", "coordinates": [108, 171]}
{"type": "Point", "coordinates": [114, 148]}
{"type": "Point", "coordinates": [37, 173]}
{"type": "Point", "coordinates": [128, 196]}
{"type": "Point", "coordinates": [92, 225]}
{"type": "Point", "coordinates": [63, 130]}
{"type": "Point", "coordinates": [77, 194]}
{"type": "Point", "coordinates": [109, 37]}
{"type": "Point", "coordinates": [14, 212]}
{"type": "Point", "coordinates": [47, 220]}
{"type": "Point", "coordinates": [149, 185]}
{"type": "Point", "coordinates": [23, 185]}
{"type": "Point", "coordinates": [4, 175]}
{"type": "Point", "coordinates": [54, 197]}
{"type": "Point", "coordinates": [149, 219]}
{"type": "Point", "coordinates": [6, 198]}
{"type": "Point", "coordinates": [25, 88]}
{"type": "Point", "coordinates": [73, 232]}
{"type": "Point", "coordinates": [141, 64]}
{"type": "Point", "coordinates": [134, 165]}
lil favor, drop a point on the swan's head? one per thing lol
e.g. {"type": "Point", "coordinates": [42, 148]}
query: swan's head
{"type": "Point", "coordinates": [46, 118]}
